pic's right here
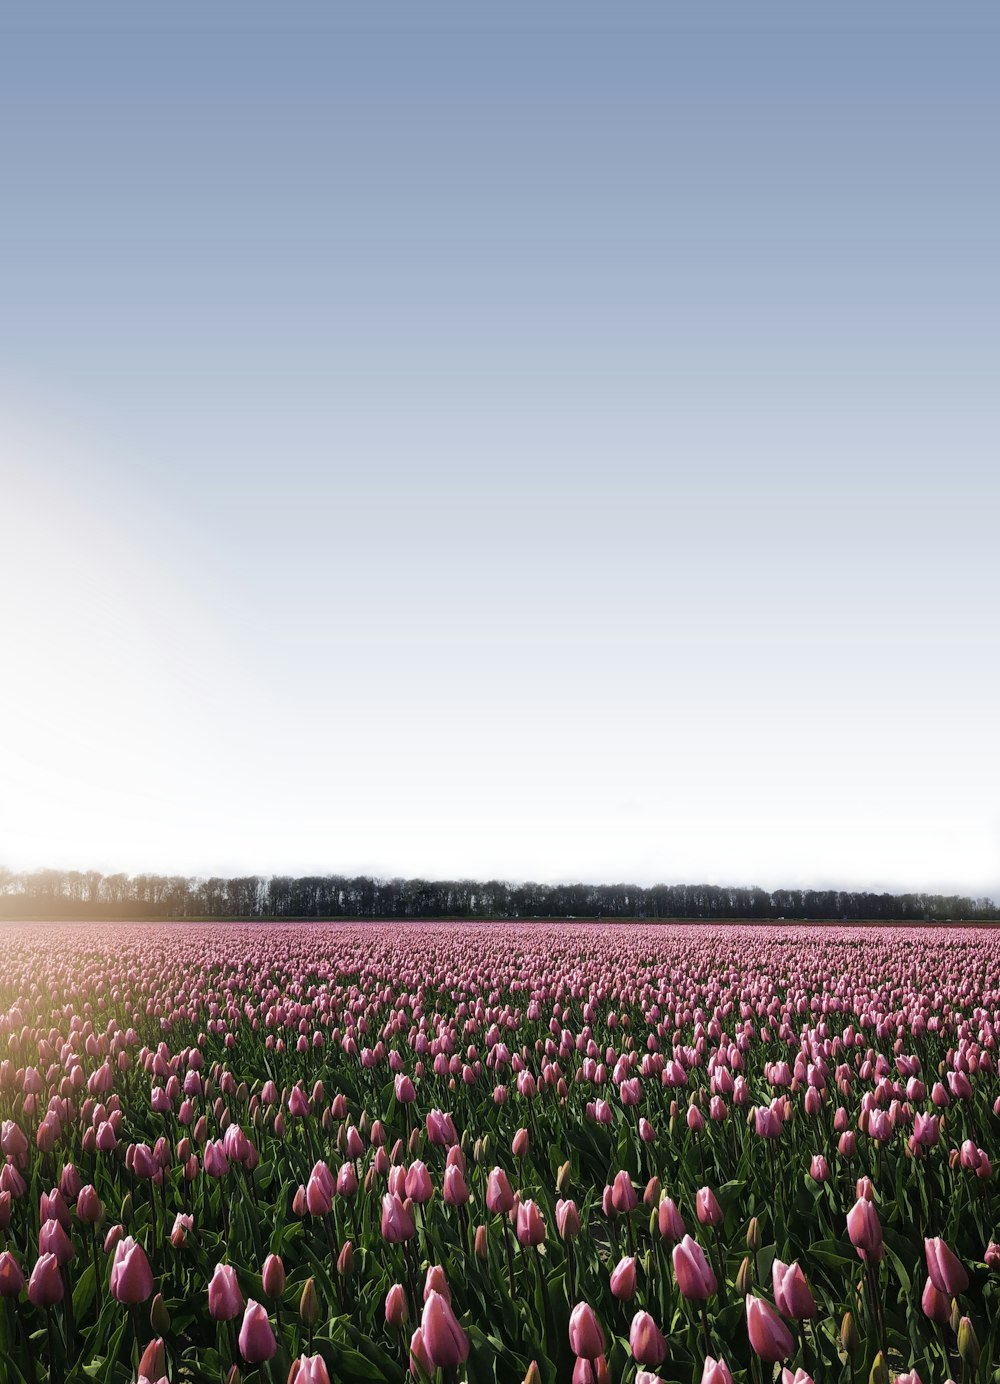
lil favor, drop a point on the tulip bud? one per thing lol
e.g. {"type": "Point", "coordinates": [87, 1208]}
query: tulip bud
{"type": "Point", "coordinates": [563, 1178]}
{"type": "Point", "coordinates": [534, 1375]}
{"type": "Point", "coordinates": [482, 1248]}
{"type": "Point", "coordinates": [968, 1343]}
{"type": "Point", "coordinates": [879, 1371]}
{"type": "Point", "coordinates": [345, 1260]}
{"type": "Point", "coordinates": [849, 1337]}
{"type": "Point", "coordinates": [126, 1215]}
{"type": "Point", "coordinates": [753, 1235]}
{"type": "Point", "coordinates": [159, 1320]}
{"type": "Point", "coordinates": [956, 1315]}
{"type": "Point", "coordinates": [744, 1278]}
{"type": "Point", "coordinates": [309, 1303]}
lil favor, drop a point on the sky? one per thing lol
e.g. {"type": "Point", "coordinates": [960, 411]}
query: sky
{"type": "Point", "coordinates": [553, 442]}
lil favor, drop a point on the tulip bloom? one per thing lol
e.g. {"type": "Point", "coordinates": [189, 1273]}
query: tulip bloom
{"type": "Point", "coordinates": [131, 1279]}
{"type": "Point", "coordinates": [791, 1291]}
{"type": "Point", "coordinates": [865, 1230]}
{"type": "Point", "coordinates": [715, 1371]}
{"type": "Point", "coordinates": [567, 1219]}
{"type": "Point", "coordinates": [669, 1221]}
{"type": "Point", "coordinates": [273, 1276]}
{"type": "Point", "coordinates": [225, 1301]}
{"type": "Point", "coordinates": [946, 1271]}
{"type": "Point", "coordinates": [11, 1276]}
{"type": "Point", "coordinates": [530, 1226]}
{"type": "Point", "coordinates": [935, 1305]}
{"type": "Point", "coordinates": [499, 1196]}
{"type": "Point", "coordinates": [695, 1276]}
{"type": "Point", "coordinates": [585, 1335]}
{"type": "Point", "coordinates": [646, 1340]}
{"type": "Point", "coordinates": [623, 1279]}
{"type": "Point", "coordinates": [45, 1286]}
{"type": "Point", "coordinates": [396, 1309]}
{"type": "Point", "coordinates": [397, 1220]}
{"type": "Point", "coordinates": [309, 1369]}
{"type": "Point", "coordinates": [707, 1207]}
{"type": "Point", "coordinates": [257, 1342]}
{"type": "Point", "coordinates": [769, 1336]}
{"type": "Point", "coordinates": [445, 1342]}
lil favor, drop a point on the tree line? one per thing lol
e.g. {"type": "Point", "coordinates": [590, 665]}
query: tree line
{"type": "Point", "coordinates": [90, 894]}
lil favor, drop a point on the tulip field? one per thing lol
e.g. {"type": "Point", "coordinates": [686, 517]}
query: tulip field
{"type": "Point", "coordinates": [498, 1152]}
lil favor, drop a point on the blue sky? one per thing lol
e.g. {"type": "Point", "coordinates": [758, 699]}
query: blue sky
{"type": "Point", "coordinates": [543, 442]}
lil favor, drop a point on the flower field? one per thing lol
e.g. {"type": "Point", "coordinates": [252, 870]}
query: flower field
{"type": "Point", "coordinates": [499, 1152]}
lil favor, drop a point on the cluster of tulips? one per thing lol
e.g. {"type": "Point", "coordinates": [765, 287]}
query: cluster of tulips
{"type": "Point", "coordinates": [506, 1153]}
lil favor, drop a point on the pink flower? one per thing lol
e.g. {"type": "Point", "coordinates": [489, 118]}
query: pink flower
{"type": "Point", "coordinates": [309, 1369]}
{"type": "Point", "coordinates": [585, 1335]}
{"type": "Point", "coordinates": [567, 1219]}
{"type": "Point", "coordinates": [769, 1336]}
{"type": "Point", "coordinates": [444, 1340]}
{"type": "Point", "coordinates": [669, 1220]}
{"type": "Point", "coordinates": [646, 1340]}
{"type": "Point", "coordinates": [623, 1194]}
{"type": "Point", "coordinates": [397, 1220]}
{"type": "Point", "coordinates": [273, 1276]}
{"type": "Point", "coordinates": [716, 1371]}
{"type": "Point", "coordinates": [499, 1197]}
{"type": "Point", "coordinates": [530, 1225]}
{"type": "Point", "coordinates": [623, 1279]}
{"type": "Point", "coordinates": [791, 1291]}
{"type": "Point", "coordinates": [131, 1279]}
{"type": "Point", "coordinates": [45, 1286]}
{"type": "Point", "coordinates": [707, 1207]}
{"type": "Point", "coordinates": [396, 1310]}
{"type": "Point", "coordinates": [257, 1342]}
{"type": "Point", "coordinates": [694, 1274]}
{"type": "Point", "coordinates": [946, 1270]}
{"type": "Point", "coordinates": [225, 1301]}
{"type": "Point", "coordinates": [11, 1276]}
{"type": "Point", "coordinates": [865, 1230]}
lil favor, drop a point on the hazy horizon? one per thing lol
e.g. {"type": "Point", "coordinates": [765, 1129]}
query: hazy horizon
{"type": "Point", "coordinates": [554, 445]}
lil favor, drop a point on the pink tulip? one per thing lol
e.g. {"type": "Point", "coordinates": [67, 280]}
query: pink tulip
{"type": "Point", "coordinates": [530, 1227]}
{"type": "Point", "coordinates": [769, 1336]}
{"type": "Point", "coordinates": [499, 1197]}
{"type": "Point", "coordinates": [257, 1342]}
{"type": "Point", "coordinates": [396, 1309]}
{"type": "Point", "coordinates": [397, 1220]}
{"type": "Point", "coordinates": [309, 1369]}
{"type": "Point", "coordinates": [444, 1340]}
{"type": "Point", "coordinates": [273, 1277]}
{"type": "Point", "coordinates": [945, 1269]}
{"type": "Point", "coordinates": [623, 1279]}
{"type": "Point", "coordinates": [585, 1335]}
{"type": "Point", "coordinates": [11, 1276]}
{"type": "Point", "coordinates": [708, 1210]}
{"type": "Point", "coordinates": [225, 1301]}
{"type": "Point", "coordinates": [131, 1279]}
{"type": "Point", "coordinates": [45, 1286]}
{"type": "Point", "coordinates": [695, 1277]}
{"type": "Point", "coordinates": [791, 1291]}
{"type": "Point", "coordinates": [669, 1221]}
{"type": "Point", "coordinates": [646, 1340]}
{"type": "Point", "coordinates": [865, 1230]}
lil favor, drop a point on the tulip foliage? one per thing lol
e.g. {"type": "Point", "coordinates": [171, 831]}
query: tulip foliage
{"type": "Point", "coordinates": [498, 1153]}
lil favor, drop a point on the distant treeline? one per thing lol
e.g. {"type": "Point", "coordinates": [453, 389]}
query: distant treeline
{"type": "Point", "coordinates": [89, 894]}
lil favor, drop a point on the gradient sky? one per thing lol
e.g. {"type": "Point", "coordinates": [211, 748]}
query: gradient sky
{"type": "Point", "coordinates": [547, 441]}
